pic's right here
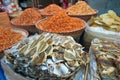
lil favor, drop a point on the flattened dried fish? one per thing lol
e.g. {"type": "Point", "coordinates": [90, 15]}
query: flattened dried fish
{"type": "Point", "coordinates": [51, 54]}
{"type": "Point", "coordinates": [106, 53]}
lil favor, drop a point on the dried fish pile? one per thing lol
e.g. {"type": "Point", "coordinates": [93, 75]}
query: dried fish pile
{"type": "Point", "coordinates": [107, 55]}
{"type": "Point", "coordinates": [47, 57]}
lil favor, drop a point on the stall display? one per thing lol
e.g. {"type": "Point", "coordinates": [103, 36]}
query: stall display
{"type": "Point", "coordinates": [53, 50]}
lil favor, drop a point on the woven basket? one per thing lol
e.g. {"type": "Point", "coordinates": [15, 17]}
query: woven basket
{"type": "Point", "coordinates": [75, 34]}
{"type": "Point", "coordinates": [85, 17]}
{"type": "Point", "coordinates": [30, 28]}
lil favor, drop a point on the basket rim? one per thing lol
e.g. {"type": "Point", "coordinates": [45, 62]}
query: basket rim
{"type": "Point", "coordinates": [22, 25]}
{"type": "Point", "coordinates": [96, 12]}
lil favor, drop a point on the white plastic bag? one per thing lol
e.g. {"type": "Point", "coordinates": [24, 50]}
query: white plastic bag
{"type": "Point", "coordinates": [101, 33]}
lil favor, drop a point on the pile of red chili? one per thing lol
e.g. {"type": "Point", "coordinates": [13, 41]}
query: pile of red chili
{"type": "Point", "coordinates": [8, 38]}
{"type": "Point", "coordinates": [61, 22]}
{"type": "Point", "coordinates": [29, 17]}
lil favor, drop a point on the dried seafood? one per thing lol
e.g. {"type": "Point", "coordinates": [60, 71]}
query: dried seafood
{"type": "Point", "coordinates": [107, 56]}
{"type": "Point", "coordinates": [49, 54]}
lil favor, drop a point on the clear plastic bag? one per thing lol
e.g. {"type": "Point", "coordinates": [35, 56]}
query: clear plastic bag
{"type": "Point", "coordinates": [103, 57]}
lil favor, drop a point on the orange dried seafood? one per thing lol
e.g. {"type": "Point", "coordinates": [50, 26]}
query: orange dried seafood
{"type": "Point", "coordinates": [29, 17]}
{"type": "Point", "coordinates": [80, 8]}
{"type": "Point", "coordinates": [61, 22]}
{"type": "Point", "coordinates": [51, 9]}
{"type": "Point", "coordinates": [8, 38]}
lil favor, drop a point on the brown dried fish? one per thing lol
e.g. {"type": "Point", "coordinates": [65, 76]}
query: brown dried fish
{"type": "Point", "coordinates": [106, 53]}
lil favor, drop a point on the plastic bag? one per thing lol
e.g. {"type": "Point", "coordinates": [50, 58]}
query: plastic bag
{"type": "Point", "coordinates": [99, 32]}
{"type": "Point", "coordinates": [103, 57]}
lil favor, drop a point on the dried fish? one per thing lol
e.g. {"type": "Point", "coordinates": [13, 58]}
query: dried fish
{"type": "Point", "coordinates": [42, 46]}
{"type": "Point", "coordinates": [106, 53]}
{"type": "Point", "coordinates": [69, 55]}
{"type": "Point", "coordinates": [49, 50]}
{"type": "Point", "coordinates": [38, 59]}
{"type": "Point", "coordinates": [22, 49]}
{"type": "Point", "coordinates": [49, 54]}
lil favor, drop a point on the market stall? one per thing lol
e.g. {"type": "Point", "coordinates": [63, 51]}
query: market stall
{"type": "Point", "coordinates": [60, 43]}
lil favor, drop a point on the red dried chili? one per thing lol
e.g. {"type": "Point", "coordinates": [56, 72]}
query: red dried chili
{"type": "Point", "coordinates": [61, 22]}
